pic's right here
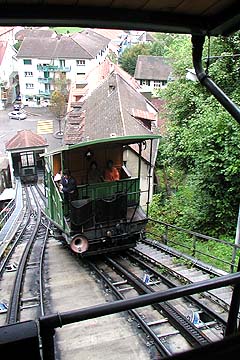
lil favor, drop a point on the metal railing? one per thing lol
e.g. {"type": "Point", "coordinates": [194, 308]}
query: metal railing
{"type": "Point", "coordinates": [49, 323]}
{"type": "Point", "coordinates": [222, 253]}
{"type": "Point", "coordinates": [7, 212]}
{"type": "Point", "coordinates": [45, 80]}
{"type": "Point", "coordinates": [53, 68]}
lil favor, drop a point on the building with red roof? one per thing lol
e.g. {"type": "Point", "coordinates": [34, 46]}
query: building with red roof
{"type": "Point", "coordinates": [24, 149]}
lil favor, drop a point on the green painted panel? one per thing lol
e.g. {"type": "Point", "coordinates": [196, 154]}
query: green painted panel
{"type": "Point", "coordinates": [106, 189]}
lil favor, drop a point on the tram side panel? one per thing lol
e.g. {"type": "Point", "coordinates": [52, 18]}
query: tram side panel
{"type": "Point", "coordinates": [107, 217]}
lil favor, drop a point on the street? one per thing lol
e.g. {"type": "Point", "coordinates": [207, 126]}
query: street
{"type": "Point", "coordinates": [40, 120]}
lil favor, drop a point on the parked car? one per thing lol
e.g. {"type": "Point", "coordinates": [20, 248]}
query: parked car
{"type": "Point", "coordinates": [17, 115]}
{"type": "Point", "coordinates": [16, 107]}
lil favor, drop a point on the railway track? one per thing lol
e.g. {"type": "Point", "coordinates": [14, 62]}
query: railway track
{"type": "Point", "coordinates": [176, 268]}
{"type": "Point", "coordinates": [159, 330]}
{"type": "Point", "coordinates": [26, 296]}
{"type": "Point", "coordinates": [168, 325]}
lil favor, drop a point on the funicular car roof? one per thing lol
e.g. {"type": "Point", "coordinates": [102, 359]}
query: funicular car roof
{"type": "Point", "coordinates": [213, 17]}
{"type": "Point", "coordinates": [123, 140]}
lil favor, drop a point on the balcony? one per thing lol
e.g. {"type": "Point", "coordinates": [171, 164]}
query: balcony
{"type": "Point", "coordinates": [45, 80]}
{"type": "Point", "coordinates": [64, 68]}
{"type": "Point", "coordinates": [45, 93]}
{"type": "Point", "coordinates": [53, 68]}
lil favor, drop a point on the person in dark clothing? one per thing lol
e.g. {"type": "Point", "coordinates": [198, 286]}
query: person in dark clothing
{"type": "Point", "coordinates": [94, 175]}
{"type": "Point", "coordinates": [69, 186]}
{"type": "Point", "coordinates": [69, 189]}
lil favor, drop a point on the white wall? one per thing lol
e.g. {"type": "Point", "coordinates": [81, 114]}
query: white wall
{"type": "Point", "coordinates": [131, 159]}
{"type": "Point", "coordinates": [152, 85]}
{"type": "Point", "coordinates": [39, 86]}
{"type": "Point", "coordinates": [8, 63]}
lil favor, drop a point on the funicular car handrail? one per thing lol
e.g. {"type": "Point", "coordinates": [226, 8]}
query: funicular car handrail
{"type": "Point", "coordinates": [49, 323]}
{"type": "Point", "coordinates": [106, 189]}
{"type": "Point", "coordinates": [57, 198]}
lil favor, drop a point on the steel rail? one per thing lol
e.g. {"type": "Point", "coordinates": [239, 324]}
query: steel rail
{"type": "Point", "coordinates": [49, 323]}
{"type": "Point", "coordinates": [8, 256]}
{"type": "Point", "coordinates": [208, 295]}
{"type": "Point", "coordinates": [41, 257]}
{"type": "Point", "coordinates": [42, 196]}
{"type": "Point", "coordinates": [176, 319]}
{"type": "Point", "coordinates": [171, 284]}
{"type": "Point", "coordinates": [14, 304]}
{"type": "Point", "coordinates": [161, 347]}
{"type": "Point", "coordinates": [197, 263]}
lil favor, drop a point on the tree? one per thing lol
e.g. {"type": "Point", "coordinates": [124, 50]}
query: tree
{"type": "Point", "coordinates": [58, 107]}
{"type": "Point", "coordinates": [129, 57]}
{"type": "Point", "coordinates": [203, 143]}
{"type": "Point", "coordinates": [17, 45]}
{"type": "Point", "coordinates": [61, 83]}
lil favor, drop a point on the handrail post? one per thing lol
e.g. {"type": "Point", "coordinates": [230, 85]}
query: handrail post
{"type": "Point", "coordinates": [47, 338]}
{"type": "Point", "coordinates": [194, 246]}
{"type": "Point", "coordinates": [234, 253]}
{"type": "Point", "coordinates": [231, 327]}
{"type": "Point", "coordinates": [165, 236]}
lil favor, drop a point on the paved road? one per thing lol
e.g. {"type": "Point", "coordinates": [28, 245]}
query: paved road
{"type": "Point", "coordinates": [39, 120]}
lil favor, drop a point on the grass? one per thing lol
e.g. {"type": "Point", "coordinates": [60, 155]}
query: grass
{"type": "Point", "coordinates": [67, 30]}
{"type": "Point", "coordinates": [205, 250]}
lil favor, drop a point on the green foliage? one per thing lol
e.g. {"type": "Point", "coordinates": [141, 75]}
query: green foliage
{"type": "Point", "coordinates": [58, 104]}
{"type": "Point", "coordinates": [202, 144]}
{"type": "Point", "coordinates": [61, 83]}
{"type": "Point", "coordinates": [112, 57]}
{"type": "Point", "coordinates": [165, 45]}
{"type": "Point", "coordinates": [129, 57]}
{"type": "Point", "coordinates": [66, 30]}
{"type": "Point", "coordinates": [17, 45]}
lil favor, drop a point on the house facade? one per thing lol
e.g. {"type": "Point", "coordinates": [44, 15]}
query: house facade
{"type": "Point", "coordinates": [152, 72]}
{"type": "Point", "coordinates": [8, 66]}
{"type": "Point", "coordinates": [83, 88]}
{"type": "Point", "coordinates": [116, 108]}
{"type": "Point", "coordinates": [42, 62]}
{"type": "Point", "coordinates": [23, 150]}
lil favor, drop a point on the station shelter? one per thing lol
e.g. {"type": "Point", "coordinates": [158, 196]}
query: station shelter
{"type": "Point", "coordinates": [24, 150]}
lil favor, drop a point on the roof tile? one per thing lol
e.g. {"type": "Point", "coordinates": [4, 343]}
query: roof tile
{"type": "Point", "coordinates": [25, 139]}
{"type": "Point", "coordinates": [152, 68]}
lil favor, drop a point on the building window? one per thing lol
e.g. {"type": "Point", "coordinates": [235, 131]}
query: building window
{"type": "Point", "coordinates": [62, 62]}
{"type": "Point", "coordinates": [80, 62]}
{"type": "Point", "coordinates": [28, 73]}
{"type": "Point", "coordinates": [29, 86]}
{"type": "Point", "coordinates": [47, 87]}
{"type": "Point", "coordinates": [27, 61]}
{"type": "Point", "coordinates": [27, 159]}
{"type": "Point", "coordinates": [157, 83]}
{"type": "Point", "coordinates": [145, 82]}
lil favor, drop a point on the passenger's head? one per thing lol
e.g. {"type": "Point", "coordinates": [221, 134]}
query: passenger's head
{"type": "Point", "coordinates": [66, 173]}
{"type": "Point", "coordinates": [93, 165]}
{"type": "Point", "coordinates": [109, 164]}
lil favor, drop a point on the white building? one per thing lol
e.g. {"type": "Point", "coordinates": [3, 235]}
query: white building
{"type": "Point", "coordinates": [8, 66]}
{"type": "Point", "coordinates": [152, 72]}
{"type": "Point", "coordinates": [42, 61]}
